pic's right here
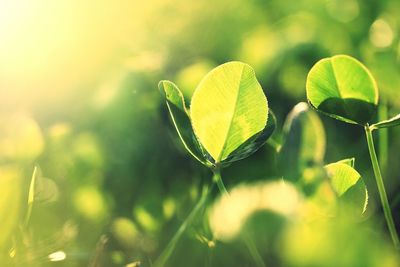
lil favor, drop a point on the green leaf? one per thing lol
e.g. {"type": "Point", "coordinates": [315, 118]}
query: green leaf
{"type": "Point", "coordinates": [395, 121]}
{"type": "Point", "coordinates": [304, 142]}
{"type": "Point", "coordinates": [343, 88]}
{"type": "Point", "coordinates": [228, 107]}
{"type": "Point", "coordinates": [348, 185]}
{"type": "Point", "coordinates": [252, 144]}
{"type": "Point", "coordinates": [180, 118]}
{"type": "Point", "coordinates": [342, 177]}
{"type": "Point", "coordinates": [41, 190]}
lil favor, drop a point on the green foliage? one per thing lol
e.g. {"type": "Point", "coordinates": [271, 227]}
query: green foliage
{"type": "Point", "coordinates": [41, 189]}
{"type": "Point", "coordinates": [343, 88]}
{"type": "Point", "coordinates": [348, 184]}
{"type": "Point", "coordinates": [227, 108]}
{"type": "Point", "coordinates": [252, 144]}
{"type": "Point", "coordinates": [102, 133]}
{"type": "Point", "coordinates": [228, 113]}
{"type": "Point", "coordinates": [342, 177]}
{"type": "Point", "coordinates": [303, 150]}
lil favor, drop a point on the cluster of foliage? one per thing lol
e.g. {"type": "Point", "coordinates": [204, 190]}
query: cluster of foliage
{"type": "Point", "coordinates": [229, 120]}
{"type": "Point", "coordinates": [115, 184]}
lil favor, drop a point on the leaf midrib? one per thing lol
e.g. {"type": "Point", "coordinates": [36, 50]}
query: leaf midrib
{"type": "Point", "coordinates": [338, 87]}
{"type": "Point", "coordinates": [335, 77]}
{"type": "Point", "coordinates": [233, 115]}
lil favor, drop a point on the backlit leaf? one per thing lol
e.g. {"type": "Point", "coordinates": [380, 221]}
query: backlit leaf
{"type": "Point", "coordinates": [228, 107]}
{"type": "Point", "coordinates": [343, 88]}
{"type": "Point", "coordinates": [348, 185]}
{"type": "Point", "coordinates": [254, 143]}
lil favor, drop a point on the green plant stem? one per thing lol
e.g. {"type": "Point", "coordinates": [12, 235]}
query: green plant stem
{"type": "Point", "coordinates": [163, 258]}
{"type": "Point", "coordinates": [218, 180]}
{"type": "Point", "coordinates": [248, 242]}
{"type": "Point", "coordinates": [383, 138]}
{"type": "Point", "coordinates": [381, 188]}
{"type": "Point", "coordinates": [31, 196]}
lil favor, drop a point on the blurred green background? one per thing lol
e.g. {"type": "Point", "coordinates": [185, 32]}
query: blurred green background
{"type": "Point", "coordinates": [79, 99]}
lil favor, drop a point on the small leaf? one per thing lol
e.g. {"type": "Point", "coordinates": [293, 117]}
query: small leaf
{"type": "Point", "coordinates": [343, 88]}
{"type": "Point", "coordinates": [304, 142]}
{"type": "Point", "coordinates": [228, 107]}
{"type": "Point", "coordinates": [395, 121]}
{"type": "Point", "coordinates": [342, 177]}
{"type": "Point", "coordinates": [180, 118]}
{"type": "Point", "coordinates": [253, 144]}
{"type": "Point", "coordinates": [348, 185]}
{"type": "Point", "coordinates": [41, 190]}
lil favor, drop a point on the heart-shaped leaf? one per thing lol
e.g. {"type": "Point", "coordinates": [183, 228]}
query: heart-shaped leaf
{"type": "Point", "coordinates": [252, 144]}
{"type": "Point", "coordinates": [343, 88]}
{"type": "Point", "coordinates": [180, 118]}
{"type": "Point", "coordinates": [41, 190]}
{"type": "Point", "coordinates": [228, 107]}
{"type": "Point", "coordinates": [304, 142]}
{"type": "Point", "coordinates": [348, 185]}
{"type": "Point", "coordinates": [395, 121]}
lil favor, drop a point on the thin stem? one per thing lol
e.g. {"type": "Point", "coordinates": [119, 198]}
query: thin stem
{"type": "Point", "coordinates": [383, 138]}
{"type": "Point", "coordinates": [163, 258]}
{"type": "Point", "coordinates": [31, 196]}
{"type": "Point", "coordinates": [218, 180]}
{"type": "Point", "coordinates": [248, 242]}
{"type": "Point", "coordinates": [381, 188]}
